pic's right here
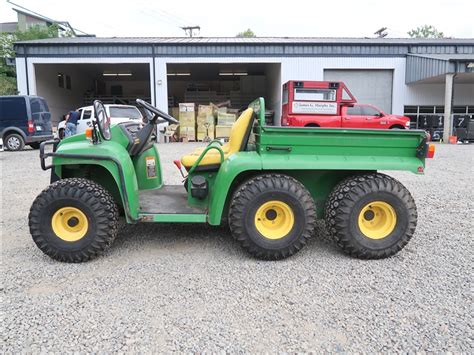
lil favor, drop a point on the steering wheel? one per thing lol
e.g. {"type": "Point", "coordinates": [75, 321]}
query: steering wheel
{"type": "Point", "coordinates": [158, 113]}
{"type": "Point", "coordinates": [103, 121]}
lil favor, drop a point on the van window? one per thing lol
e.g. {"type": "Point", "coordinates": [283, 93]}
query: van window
{"type": "Point", "coordinates": [13, 108]}
{"type": "Point", "coordinates": [315, 94]}
{"type": "Point", "coordinates": [38, 105]}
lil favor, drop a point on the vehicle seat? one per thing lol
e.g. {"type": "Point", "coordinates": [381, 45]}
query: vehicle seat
{"type": "Point", "coordinates": [237, 141]}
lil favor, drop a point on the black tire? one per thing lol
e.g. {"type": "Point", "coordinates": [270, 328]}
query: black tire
{"type": "Point", "coordinates": [61, 133]}
{"type": "Point", "coordinates": [356, 194]}
{"type": "Point", "coordinates": [14, 142]}
{"type": "Point", "coordinates": [34, 145]}
{"type": "Point", "coordinates": [96, 204]}
{"type": "Point", "coordinates": [253, 195]}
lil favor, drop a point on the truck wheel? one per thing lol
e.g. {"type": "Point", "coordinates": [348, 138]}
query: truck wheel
{"type": "Point", "coordinates": [371, 216]}
{"type": "Point", "coordinates": [14, 142]}
{"type": "Point", "coordinates": [272, 216]}
{"type": "Point", "coordinates": [73, 220]}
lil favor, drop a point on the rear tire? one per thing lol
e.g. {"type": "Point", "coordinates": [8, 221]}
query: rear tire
{"type": "Point", "coordinates": [272, 216]}
{"type": "Point", "coordinates": [14, 142]}
{"type": "Point", "coordinates": [371, 216]}
{"type": "Point", "coordinates": [73, 220]}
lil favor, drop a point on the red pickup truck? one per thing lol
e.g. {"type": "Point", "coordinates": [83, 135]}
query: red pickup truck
{"type": "Point", "coordinates": [331, 104]}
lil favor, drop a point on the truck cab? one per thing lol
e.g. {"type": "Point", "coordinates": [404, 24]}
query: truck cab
{"type": "Point", "coordinates": [370, 116]}
{"type": "Point", "coordinates": [332, 105]}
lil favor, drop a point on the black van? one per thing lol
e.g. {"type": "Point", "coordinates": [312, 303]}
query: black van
{"type": "Point", "coordinates": [24, 120]}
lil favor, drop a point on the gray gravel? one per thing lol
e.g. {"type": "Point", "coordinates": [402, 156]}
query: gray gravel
{"type": "Point", "coordinates": [191, 288]}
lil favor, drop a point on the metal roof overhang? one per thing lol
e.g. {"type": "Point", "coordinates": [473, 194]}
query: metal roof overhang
{"type": "Point", "coordinates": [433, 68]}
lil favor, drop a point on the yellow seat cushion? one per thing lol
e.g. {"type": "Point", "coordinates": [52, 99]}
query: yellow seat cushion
{"type": "Point", "coordinates": [213, 157]}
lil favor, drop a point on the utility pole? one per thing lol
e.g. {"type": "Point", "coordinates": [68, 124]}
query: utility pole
{"type": "Point", "coordinates": [188, 30]}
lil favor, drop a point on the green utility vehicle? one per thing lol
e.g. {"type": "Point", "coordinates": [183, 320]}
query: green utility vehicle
{"type": "Point", "coordinates": [269, 184]}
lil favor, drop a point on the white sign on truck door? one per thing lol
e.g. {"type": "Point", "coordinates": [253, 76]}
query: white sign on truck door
{"type": "Point", "coordinates": [322, 108]}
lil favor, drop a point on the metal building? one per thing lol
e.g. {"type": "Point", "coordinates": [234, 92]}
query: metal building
{"type": "Point", "coordinates": [402, 76]}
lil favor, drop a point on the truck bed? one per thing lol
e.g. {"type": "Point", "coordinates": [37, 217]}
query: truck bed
{"type": "Point", "coordinates": [342, 149]}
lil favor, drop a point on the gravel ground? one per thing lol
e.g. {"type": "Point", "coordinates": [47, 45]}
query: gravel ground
{"type": "Point", "coordinates": [191, 288]}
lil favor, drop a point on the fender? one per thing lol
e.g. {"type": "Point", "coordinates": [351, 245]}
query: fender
{"type": "Point", "coordinates": [15, 129]}
{"type": "Point", "coordinates": [109, 155]}
{"type": "Point", "coordinates": [231, 168]}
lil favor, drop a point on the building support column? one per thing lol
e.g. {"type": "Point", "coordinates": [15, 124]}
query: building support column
{"type": "Point", "coordinates": [448, 107]}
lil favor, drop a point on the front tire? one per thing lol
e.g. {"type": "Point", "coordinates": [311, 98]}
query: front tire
{"type": "Point", "coordinates": [14, 142]}
{"type": "Point", "coordinates": [272, 216]}
{"type": "Point", "coordinates": [371, 216]}
{"type": "Point", "coordinates": [73, 220]}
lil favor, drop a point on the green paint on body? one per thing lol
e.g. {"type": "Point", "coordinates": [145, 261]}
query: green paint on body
{"type": "Point", "coordinates": [319, 158]}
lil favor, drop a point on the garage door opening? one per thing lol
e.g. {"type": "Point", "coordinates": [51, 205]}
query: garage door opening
{"type": "Point", "coordinates": [67, 87]}
{"type": "Point", "coordinates": [232, 86]}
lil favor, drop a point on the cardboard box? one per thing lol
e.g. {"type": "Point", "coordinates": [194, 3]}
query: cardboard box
{"type": "Point", "coordinates": [187, 115]}
{"type": "Point", "coordinates": [201, 132]}
{"type": "Point", "coordinates": [223, 131]}
{"type": "Point", "coordinates": [225, 119]}
{"type": "Point", "coordinates": [187, 133]}
{"type": "Point", "coordinates": [175, 112]}
{"type": "Point", "coordinates": [187, 121]}
{"type": "Point", "coordinates": [205, 114]}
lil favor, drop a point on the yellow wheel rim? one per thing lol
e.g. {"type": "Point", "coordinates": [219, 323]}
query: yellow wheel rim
{"type": "Point", "coordinates": [274, 219]}
{"type": "Point", "coordinates": [69, 224]}
{"type": "Point", "coordinates": [377, 220]}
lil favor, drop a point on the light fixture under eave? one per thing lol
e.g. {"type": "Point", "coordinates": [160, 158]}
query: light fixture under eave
{"type": "Point", "coordinates": [233, 74]}
{"type": "Point", "coordinates": [110, 73]}
{"type": "Point", "coordinates": [183, 74]}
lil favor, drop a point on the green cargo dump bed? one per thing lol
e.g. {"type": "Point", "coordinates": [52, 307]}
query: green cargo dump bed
{"type": "Point", "coordinates": [306, 148]}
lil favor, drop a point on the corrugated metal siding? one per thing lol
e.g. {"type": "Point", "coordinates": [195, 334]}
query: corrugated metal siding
{"type": "Point", "coordinates": [211, 50]}
{"type": "Point", "coordinates": [419, 68]}
{"type": "Point", "coordinates": [234, 49]}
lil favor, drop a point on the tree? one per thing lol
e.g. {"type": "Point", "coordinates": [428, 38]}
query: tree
{"type": "Point", "coordinates": [7, 72]}
{"type": "Point", "coordinates": [425, 31]}
{"type": "Point", "coordinates": [248, 33]}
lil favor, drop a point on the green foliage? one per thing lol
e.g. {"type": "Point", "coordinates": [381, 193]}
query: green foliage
{"type": "Point", "coordinates": [246, 34]}
{"type": "Point", "coordinates": [425, 31]}
{"type": "Point", "coordinates": [7, 72]}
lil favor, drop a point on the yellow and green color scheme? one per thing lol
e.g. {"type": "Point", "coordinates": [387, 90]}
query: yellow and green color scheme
{"type": "Point", "coordinates": [274, 219]}
{"type": "Point", "coordinates": [69, 224]}
{"type": "Point", "coordinates": [377, 220]}
{"type": "Point", "coordinates": [317, 158]}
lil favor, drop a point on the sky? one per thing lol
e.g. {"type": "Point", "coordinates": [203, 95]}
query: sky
{"type": "Point", "coordinates": [336, 18]}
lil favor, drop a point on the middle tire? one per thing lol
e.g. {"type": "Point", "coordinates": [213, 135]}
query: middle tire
{"type": "Point", "coordinates": [272, 216]}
